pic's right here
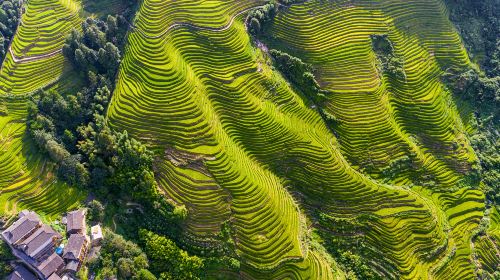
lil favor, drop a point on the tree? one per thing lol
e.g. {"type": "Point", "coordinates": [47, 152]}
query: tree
{"type": "Point", "coordinates": [168, 259]}
{"type": "Point", "coordinates": [145, 274]}
{"type": "Point", "coordinates": [96, 211]}
{"type": "Point", "coordinates": [125, 268]}
{"type": "Point", "coordinates": [5, 257]}
{"type": "Point", "coordinates": [255, 26]}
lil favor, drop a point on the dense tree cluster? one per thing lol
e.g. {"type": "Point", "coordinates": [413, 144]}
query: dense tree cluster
{"type": "Point", "coordinates": [10, 11]}
{"type": "Point", "coordinates": [5, 258]}
{"type": "Point", "coordinates": [73, 132]}
{"type": "Point", "coordinates": [479, 24]}
{"type": "Point", "coordinates": [121, 258]}
{"type": "Point", "coordinates": [72, 128]}
{"type": "Point", "coordinates": [476, 86]}
{"type": "Point", "coordinates": [259, 17]}
{"type": "Point", "coordinates": [299, 73]}
{"type": "Point", "coordinates": [388, 60]}
{"type": "Point", "coordinates": [168, 260]}
{"type": "Point", "coordinates": [486, 144]}
{"type": "Point", "coordinates": [96, 48]}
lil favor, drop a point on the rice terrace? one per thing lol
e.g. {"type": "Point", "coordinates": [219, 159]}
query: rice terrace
{"type": "Point", "coordinates": [250, 139]}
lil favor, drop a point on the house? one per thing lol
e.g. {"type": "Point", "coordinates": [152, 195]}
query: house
{"type": "Point", "coordinates": [54, 276]}
{"type": "Point", "coordinates": [21, 229]}
{"type": "Point", "coordinates": [52, 264]}
{"type": "Point", "coordinates": [21, 273]}
{"type": "Point", "coordinates": [96, 235]}
{"type": "Point", "coordinates": [41, 243]}
{"type": "Point", "coordinates": [75, 222]}
{"type": "Point", "coordinates": [75, 252]}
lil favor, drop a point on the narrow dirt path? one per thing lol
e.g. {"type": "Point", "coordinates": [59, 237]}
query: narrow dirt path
{"type": "Point", "coordinates": [185, 24]}
{"type": "Point", "coordinates": [17, 59]}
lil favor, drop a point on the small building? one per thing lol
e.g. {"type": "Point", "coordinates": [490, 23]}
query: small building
{"type": "Point", "coordinates": [21, 273]}
{"type": "Point", "coordinates": [75, 252]}
{"type": "Point", "coordinates": [75, 222]}
{"type": "Point", "coordinates": [41, 243]}
{"type": "Point", "coordinates": [52, 264]}
{"type": "Point", "coordinates": [54, 276]}
{"type": "Point", "coordinates": [72, 266]}
{"type": "Point", "coordinates": [21, 229]}
{"type": "Point", "coordinates": [96, 235]}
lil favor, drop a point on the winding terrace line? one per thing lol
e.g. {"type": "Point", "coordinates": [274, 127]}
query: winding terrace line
{"type": "Point", "coordinates": [32, 58]}
{"type": "Point", "coordinates": [186, 24]}
{"type": "Point", "coordinates": [134, 28]}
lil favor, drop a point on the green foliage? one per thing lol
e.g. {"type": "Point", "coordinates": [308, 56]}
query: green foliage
{"type": "Point", "coordinates": [96, 48]}
{"type": "Point", "coordinates": [168, 260]}
{"type": "Point", "coordinates": [119, 257]}
{"type": "Point", "coordinates": [299, 73]}
{"type": "Point", "coordinates": [259, 17]}
{"type": "Point", "coordinates": [350, 254]}
{"type": "Point", "coordinates": [390, 62]}
{"type": "Point", "coordinates": [180, 212]}
{"type": "Point", "coordinates": [486, 144]}
{"type": "Point", "coordinates": [9, 20]}
{"type": "Point", "coordinates": [95, 211]}
{"type": "Point", "coordinates": [479, 25]}
{"type": "Point", "coordinates": [121, 164]}
{"type": "Point", "coordinates": [476, 86]}
{"type": "Point", "coordinates": [5, 257]}
{"type": "Point", "coordinates": [145, 274]}
{"type": "Point", "coordinates": [72, 129]}
{"type": "Point", "coordinates": [354, 263]}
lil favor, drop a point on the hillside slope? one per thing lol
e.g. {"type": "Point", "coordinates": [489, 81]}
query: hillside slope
{"type": "Point", "coordinates": [235, 143]}
{"type": "Point", "coordinates": [377, 193]}
{"type": "Point", "coordinates": [34, 61]}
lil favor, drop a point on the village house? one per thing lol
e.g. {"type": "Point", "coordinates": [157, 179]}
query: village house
{"type": "Point", "coordinates": [34, 243]}
{"type": "Point", "coordinates": [21, 273]}
{"type": "Point", "coordinates": [96, 235]}
{"type": "Point", "coordinates": [75, 252]}
{"type": "Point", "coordinates": [41, 243]}
{"type": "Point", "coordinates": [21, 229]}
{"type": "Point", "coordinates": [54, 277]}
{"type": "Point", "coordinates": [51, 265]}
{"type": "Point", "coordinates": [75, 222]}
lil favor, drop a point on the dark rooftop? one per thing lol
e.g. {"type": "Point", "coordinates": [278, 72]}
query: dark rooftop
{"type": "Point", "coordinates": [19, 229]}
{"type": "Point", "coordinates": [51, 265]}
{"type": "Point", "coordinates": [75, 220]}
{"type": "Point", "coordinates": [21, 273]}
{"type": "Point", "coordinates": [54, 277]}
{"type": "Point", "coordinates": [73, 249]}
{"type": "Point", "coordinates": [39, 240]}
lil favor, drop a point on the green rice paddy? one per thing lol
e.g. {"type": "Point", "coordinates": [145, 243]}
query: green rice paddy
{"type": "Point", "coordinates": [238, 145]}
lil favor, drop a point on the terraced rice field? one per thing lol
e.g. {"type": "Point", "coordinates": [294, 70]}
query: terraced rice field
{"type": "Point", "coordinates": [26, 178]}
{"type": "Point", "coordinates": [27, 181]}
{"type": "Point", "coordinates": [235, 143]}
{"type": "Point", "coordinates": [36, 48]}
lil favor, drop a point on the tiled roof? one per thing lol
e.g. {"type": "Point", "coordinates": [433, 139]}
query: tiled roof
{"type": "Point", "coordinates": [17, 231]}
{"type": "Point", "coordinates": [39, 240]}
{"type": "Point", "coordinates": [73, 249]}
{"type": "Point", "coordinates": [72, 266]}
{"type": "Point", "coordinates": [54, 277]}
{"type": "Point", "coordinates": [21, 273]}
{"type": "Point", "coordinates": [51, 265]}
{"type": "Point", "coordinates": [75, 220]}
